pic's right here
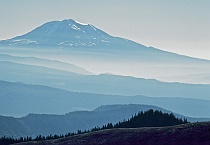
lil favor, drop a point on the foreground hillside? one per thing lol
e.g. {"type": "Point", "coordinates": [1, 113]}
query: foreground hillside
{"type": "Point", "coordinates": [191, 133]}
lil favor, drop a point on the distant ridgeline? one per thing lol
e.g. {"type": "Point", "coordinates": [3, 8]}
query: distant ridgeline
{"type": "Point", "coordinates": [148, 118]}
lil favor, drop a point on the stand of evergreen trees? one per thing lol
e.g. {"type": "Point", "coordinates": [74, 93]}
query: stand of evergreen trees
{"type": "Point", "coordinates": [148, 118]}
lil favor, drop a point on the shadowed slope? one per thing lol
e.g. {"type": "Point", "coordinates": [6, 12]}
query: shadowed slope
{"type": "Point", "coordinates": [191, 133]}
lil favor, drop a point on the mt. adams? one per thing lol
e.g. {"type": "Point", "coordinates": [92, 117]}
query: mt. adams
{"type": "Point", "coordinates": [66, 33]}
{"type": "Point", "coordinates": [96, 51]}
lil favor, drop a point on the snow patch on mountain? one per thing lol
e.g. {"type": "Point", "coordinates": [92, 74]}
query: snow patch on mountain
{"type": "Point", "coordinates": [81, 23]}
{"type": "Point", "coordinates": [75, 27]}
{"type": "Point", "coordinates": [21, 41]}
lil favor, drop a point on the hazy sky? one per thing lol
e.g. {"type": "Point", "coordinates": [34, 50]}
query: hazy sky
{"type": "Point", "coordinates": [181, 26]}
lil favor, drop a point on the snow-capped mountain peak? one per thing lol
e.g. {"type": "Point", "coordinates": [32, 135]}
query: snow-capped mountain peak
{"type": "Point", "coordinates": [67, 33]}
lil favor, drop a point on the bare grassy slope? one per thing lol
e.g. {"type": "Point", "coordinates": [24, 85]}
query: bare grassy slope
{"type": "Point", "coordinates": [191, 133]}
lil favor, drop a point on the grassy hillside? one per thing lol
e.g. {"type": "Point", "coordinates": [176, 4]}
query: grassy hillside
{"type": "Point", "coordinates": [191, 133]}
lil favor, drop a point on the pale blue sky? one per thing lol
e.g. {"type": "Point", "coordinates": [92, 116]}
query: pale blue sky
{"type": "Point", "coordinates": [181, 26]}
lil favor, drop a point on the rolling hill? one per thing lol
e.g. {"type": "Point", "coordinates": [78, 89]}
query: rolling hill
{"type": "Point", "coordinates": [46, 124]}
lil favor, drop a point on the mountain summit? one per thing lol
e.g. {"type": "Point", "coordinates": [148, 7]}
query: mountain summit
{"type": "Point", "coordinates": [66, 33]}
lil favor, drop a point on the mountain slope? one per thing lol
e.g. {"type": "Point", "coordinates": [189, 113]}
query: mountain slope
{"type": "Point", "coordinates": [22, 72]}
{"type": "Point", "coordinates": [191, 133]}
{"type": "Point", "coordinates": [65, 34]}
{"type": "Point", "coordinates": [10, 126]}
{"type": "Point", "coordinates": [53, 64]}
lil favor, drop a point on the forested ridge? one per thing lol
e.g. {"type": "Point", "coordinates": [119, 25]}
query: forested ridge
{"type": "Point", "coordinates": [148, 118]}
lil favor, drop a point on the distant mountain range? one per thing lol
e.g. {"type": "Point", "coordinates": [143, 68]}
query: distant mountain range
{"type": "Point", "coordinates": [79, 80]}
{"type": "Point", "coordinates": [51, 64]}
{"type": "Point", "coordinates": [45, 124]}
{"type": "Point", "coordinates": [19, 99]}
